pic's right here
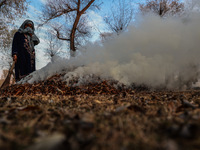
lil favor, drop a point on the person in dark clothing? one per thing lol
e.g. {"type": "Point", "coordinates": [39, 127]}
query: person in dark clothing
{"type": "Point", "coordinates": [23, 51]}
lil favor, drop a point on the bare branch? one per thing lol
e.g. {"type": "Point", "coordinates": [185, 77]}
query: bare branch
{"type": "Point", "coordinates": [87, 6]}
{"type": "Point", "coordinates": [11, 9]}
{"type": "Point", "coordinates": [120, 17]}
{"type": "Point", "coordinates": [71, 11]}
{"type": "Point", "coordinates": [54, 46]}
{"type": "Point", "coordinates": [162, 7]}
{"type": "Point", "coordinates": [54, 10]}
{"type": "Point", "coordinates": [59, 36]}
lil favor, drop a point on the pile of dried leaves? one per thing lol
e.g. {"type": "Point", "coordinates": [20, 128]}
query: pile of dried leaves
{"type": "Point", "coordinates": [51, 115]}
{"type": "Point", "coordinates": [55, 85]}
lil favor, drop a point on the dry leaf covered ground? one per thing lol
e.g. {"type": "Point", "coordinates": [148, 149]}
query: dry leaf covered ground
{"type": "Point", "coordinates": [51, 115]}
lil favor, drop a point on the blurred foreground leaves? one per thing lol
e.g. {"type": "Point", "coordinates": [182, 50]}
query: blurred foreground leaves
{"type": "Point", "coordinates": [50, 115]}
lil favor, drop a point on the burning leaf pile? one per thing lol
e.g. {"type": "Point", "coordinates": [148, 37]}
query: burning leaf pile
{"type": "Point", "coordinates": [51, 115]}
{"type": "Point", "coordinates": [55, 85]}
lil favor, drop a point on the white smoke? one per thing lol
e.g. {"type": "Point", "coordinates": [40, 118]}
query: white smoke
{"type": "Point", "coordinates": [192, 5]}
{"type": "Point", "coordinates": [156, 52]}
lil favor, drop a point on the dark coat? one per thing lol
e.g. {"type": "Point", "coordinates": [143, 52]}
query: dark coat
{"type": "Point", "coordinates": [25, 56]}
{"type": "Point", "coordinates": [23, 47]}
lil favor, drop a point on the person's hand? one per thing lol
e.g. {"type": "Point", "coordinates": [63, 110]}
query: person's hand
{"type": "Point", "coordinates": [15, 58]}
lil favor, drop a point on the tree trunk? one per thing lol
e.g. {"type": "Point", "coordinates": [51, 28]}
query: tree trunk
{"type": "Point", "coordinates": [160, 9]}
{"type": "Point", "coordinates": [73, 32]}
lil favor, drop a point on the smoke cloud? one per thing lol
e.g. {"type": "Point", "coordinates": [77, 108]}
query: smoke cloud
{"type": "Point", "coordinates": [155, 52]}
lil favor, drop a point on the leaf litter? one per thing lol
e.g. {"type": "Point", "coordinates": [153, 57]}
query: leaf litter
{"type": "Point", "coordinates": [52, 115]}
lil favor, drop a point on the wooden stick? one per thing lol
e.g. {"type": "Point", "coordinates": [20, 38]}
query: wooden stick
{"type": "Point", "coordinates": [7, 80]}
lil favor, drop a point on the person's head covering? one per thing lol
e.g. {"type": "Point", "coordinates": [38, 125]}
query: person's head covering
{"type": "Point", "coordinates": [27, 22]}
{"type": "Point", "coordinates": [32, 40]}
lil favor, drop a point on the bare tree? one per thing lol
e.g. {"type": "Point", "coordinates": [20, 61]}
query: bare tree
{"type": "Point", "coordinates": [5, 49]}
{"type": "Point", "coordinates": [162, 7]}
{"type": "Point", "coordinates": [72, 11]}
{"type": "Point", "coordinates": [9, 11]}
{"type": "Point", "coordinates": [120, 16]}
{"type": "Point", "coordinates": [54, 45]}
{"type": "Point", "coordinates": [12, 8]}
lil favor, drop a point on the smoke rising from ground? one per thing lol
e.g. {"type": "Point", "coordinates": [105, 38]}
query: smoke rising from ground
{"type": "Point", "coordinates": [156, 52]}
